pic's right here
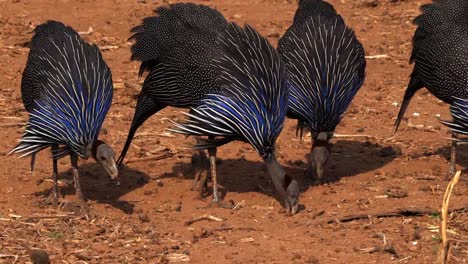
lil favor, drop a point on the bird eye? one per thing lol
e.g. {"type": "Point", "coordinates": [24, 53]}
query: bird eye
{"type": "Point", "coordinates": [103, 158]}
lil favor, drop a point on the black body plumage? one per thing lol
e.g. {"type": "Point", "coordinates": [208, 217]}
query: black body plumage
{"type": "Point", "coordinates": [67, 89]}
{"type": "Point", "coordinates": [250, 105]}
{"type": "Point", "coordinates": [439, 53]}
{"type": "Point", "coordinates": [252, 102]}
{"type": "Point", "coordinates": [326, 66]}
{"type": "Point", "coordinates": [176, 47]}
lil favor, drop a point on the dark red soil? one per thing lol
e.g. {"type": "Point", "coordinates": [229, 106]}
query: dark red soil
{"type": "Point", "coordinates": [142, 220]}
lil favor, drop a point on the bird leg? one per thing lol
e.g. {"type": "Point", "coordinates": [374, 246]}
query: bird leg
{"type": "Point", "coordinates": [55, 196]}
{"type": "Point", "coordinates": [453, 156]}
{"type": "Point", "coordinates": [76, 178]}
{"type": "Point", "coordinates": [200, 165]}
{"type": "Point", "coordinates": [33, 161]}
{"type": "Point", "coordinates": [214, 179]}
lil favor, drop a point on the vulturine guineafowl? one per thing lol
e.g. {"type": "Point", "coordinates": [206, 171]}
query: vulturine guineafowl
{"type": "Point", "coordinates": [67, 89]}
{"type": "Point", "coordinates": [440, 57]}
{"type": "Point", "coordinates": [176, 46]}
{"type": "Point", "coordinates": [250, 106]}
{"type": "Point", "coordinates": [326, 66]}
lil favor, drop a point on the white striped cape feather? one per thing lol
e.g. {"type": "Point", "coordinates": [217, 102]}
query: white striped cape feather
{"type": "Point", "coordinates": [252, 102]}
{"type": "Point", "coordinates": [76, 96]}
{"type": "Point", "coordinates": [459, 111]}
{"type": "Point", "coordinates": [326, 67]}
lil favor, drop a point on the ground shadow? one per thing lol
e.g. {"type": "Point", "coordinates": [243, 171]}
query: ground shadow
{"type": "Point", "coordinates": [98, 187]}
{"type": "Point", "coordinates": [349, 158]}
{"type": "Point", "coordinates": [462, 154]}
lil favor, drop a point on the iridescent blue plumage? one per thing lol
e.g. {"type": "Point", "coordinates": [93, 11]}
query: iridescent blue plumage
{"type": "Point", "coordinates": [67, 90]}
{"type": "Point", "coordinates": [253, 98]}
{"type": "Point", "coordinates": [75, 92]}
{"type": "Point", "coordinates": [326, 67]}
{"type": "Point", "coordinates": [250, 105]}
{"type": "Point", "coordinates": [325, 63]}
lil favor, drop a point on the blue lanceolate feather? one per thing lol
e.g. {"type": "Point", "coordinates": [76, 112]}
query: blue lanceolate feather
{"type": "Point", "coordinates": [459, 111]}
{"type": "Point", "coordinates": [326, 66]}
{"type": "Point", "coordinates": [76, 93]}
{"type": "Point", "coordinates": [253, 100]}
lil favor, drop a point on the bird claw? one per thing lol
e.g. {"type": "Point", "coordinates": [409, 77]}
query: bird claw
{"type": "Point", "coordinates": [200, 168]}
{"type": "Point", "coordinates": [200, 184]}
{"type": "Point", "coordinates": [450, 175]}
{"type": "Point", "coordinates": [55, 198]}
{"type": "Point", "coordinates": [291, 209]}
{"type": "Point", "coordinates": [86, 210]}
{"type": "Point", "coordinates": [220, 204]}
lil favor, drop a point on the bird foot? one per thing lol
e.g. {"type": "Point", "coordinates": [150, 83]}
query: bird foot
{"type": "Point", "coordinates": [55, 198]}
{"type": "Point", "coordinates": [86, 210]}
{"type": "Point", "coordinates": [315, 180]}
{"type": "Point", "coordinates": [449, 175]}
{"type": "Point", "coordinates": [200, 184]}
{"type": "Point", "coordinates": [220, 204]}
{"type": "Point", "coordinates": [79, 208]}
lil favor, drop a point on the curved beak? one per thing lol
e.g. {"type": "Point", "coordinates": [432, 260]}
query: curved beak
{"type": "Point", "coordinates": [319, 172]}
{"type": "Point", "coordinates": [287, 187]}
{"type": "Point", "coordinates": [112, 169]}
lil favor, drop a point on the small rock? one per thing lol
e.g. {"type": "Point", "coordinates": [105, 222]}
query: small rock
{"type": "Point", "coordinates": [159, 183]}
{"type": "Point", "coordinates": [143, 217]}
{"type": "Point", "coordinates": [100, 231]}
{"type": "Point", "coordinates": [148, 192]}
{"type": "Point", "coordinates": [39, 256]}
{"type": "Point", "coordinates": [360, 130]}
{"type": "Point", "coordinates": [396, 193]}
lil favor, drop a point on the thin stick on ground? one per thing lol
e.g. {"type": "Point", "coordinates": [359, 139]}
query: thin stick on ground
{"type": "Point", "coordinates": [400, 212]}
{"type": "Point", "coordinates": [445, 245]}
{"type": "Point", "coordinates": [203, 217]}
{"type": "Point", "coordinates": [351, 136]}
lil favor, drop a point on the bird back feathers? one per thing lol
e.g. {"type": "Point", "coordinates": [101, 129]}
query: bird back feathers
{"type": "Point", "coordinates": [313, 8]}
{"type": "Point", "coordinates": [437, 19]}
{"type": "Point", "coordinates": [252, 102]}
{"type": "Point", "coordinates": [76, 91]}
{"type": "Point", "coordinates": [173, 26]}
{"type": "Point", "coordinates": [326, 66]}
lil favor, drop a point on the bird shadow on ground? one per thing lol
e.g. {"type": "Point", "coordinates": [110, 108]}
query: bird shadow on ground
{"type": "Point", "coordinates": [462, 154]}
{"type": "Point", "coordinates": [99, 188]}
{"type": "Point", "coordinates": [349, 158]}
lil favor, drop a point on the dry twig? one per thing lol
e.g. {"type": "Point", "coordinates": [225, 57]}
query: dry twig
{"type": "Point", "coordinates": [13, 124]}
{"type": "Point", "coordinates": [203, 217]}
{"type": "Point", "coordinates": [89, 32]}
{"type": "Point", "coordinates": [445, 245]}
{"type": "Point", "coordinates": [413, 211]}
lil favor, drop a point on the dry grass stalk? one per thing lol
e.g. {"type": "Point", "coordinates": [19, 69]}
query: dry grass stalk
{"type": "Point", "coordinates": [445, 245]}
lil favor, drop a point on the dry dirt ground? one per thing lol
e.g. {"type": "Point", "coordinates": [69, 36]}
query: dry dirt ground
{"type": "Point", "coordinates": [143, 219]}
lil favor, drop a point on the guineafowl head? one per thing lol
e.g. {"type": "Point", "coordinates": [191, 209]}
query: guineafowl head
{"type": "Point", "coordinates": [105, 156]}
